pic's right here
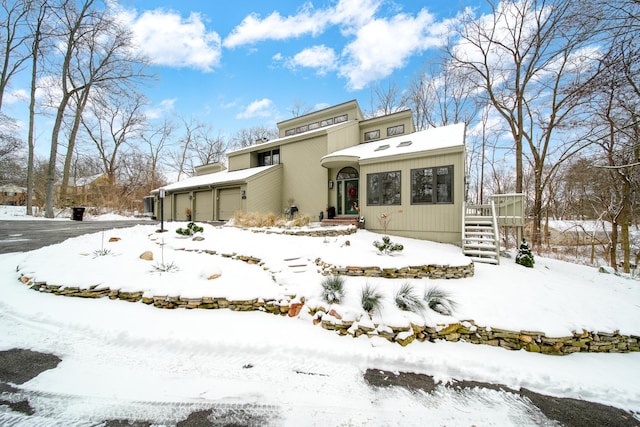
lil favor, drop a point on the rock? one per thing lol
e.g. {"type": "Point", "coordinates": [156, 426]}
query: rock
{"type": "Point", "coordinates": [198, 239]}
{"type": "Point", "coordinates": [147, 256]}
{"type": "Point", "coordinates": [335, 314]}
{"type": "Point", "coordinates": [294, 309]}
{"type": "Point", "coordinates": [214, 276]}
{"type": "Point", "coordinates": [114, 239]}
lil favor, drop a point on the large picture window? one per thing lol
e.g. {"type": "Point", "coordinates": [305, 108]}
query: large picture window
{"type": "Point", "coordinates": [432, 185]}
{"type": "Point", "coordinates": [268, 158]}
{"type": "Point", "coordinates": [383, 188]}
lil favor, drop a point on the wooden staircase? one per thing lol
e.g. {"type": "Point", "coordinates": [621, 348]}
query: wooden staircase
{"type": "Point", "coordinates": [480, 233]}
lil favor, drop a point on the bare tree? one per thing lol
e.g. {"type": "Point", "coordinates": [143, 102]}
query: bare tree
{"type": "Point", "coordinates": [387, 100]}
{"type": "Point", "coordinates": [255, 135]}
{"type": "Point", "coordinates": [14, 39]}
{"type": "Point", "coordinates": [156, 140]}
{"type": "Point", "coordinates": [530, 59]}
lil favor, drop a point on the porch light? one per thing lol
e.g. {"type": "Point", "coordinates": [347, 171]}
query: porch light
{"type": "Point", "coordinates": [330, 184]}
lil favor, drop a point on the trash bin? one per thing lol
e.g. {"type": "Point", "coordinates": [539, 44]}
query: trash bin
{"type": "Point", "coordinates": [331, 212]}
{"type": "Point", "coordinates": [77, 214]}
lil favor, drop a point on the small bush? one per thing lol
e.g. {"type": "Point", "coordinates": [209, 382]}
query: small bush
{"type": "Point", "coordinates": [101, 252]}
{"type": "Point", "coordinates": [525, 257]}
{"type": "Point", "coordinates": [163, 267]}
{"type": "Point", "coordinates": [371, 299]}
{"type": "Point", "coordinates": [192, 228]}
{"type": "Point", "coordinates": [386, 247]}
{"type": "Point", "coordinates": [407, 300]}
{"type": "Point", "coordinates": [333, 289]}
{"type": "Point", "coordinates": [439, 301]}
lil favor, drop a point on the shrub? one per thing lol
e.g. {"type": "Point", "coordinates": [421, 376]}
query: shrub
{"type": "Point", "coordinates": [439, 301]}
{"type": "Point", "coordinates": [525, 257]}
{"type": "Point", "coordinates": [371, 299]}
{"type": "Point", "coordinates": [407, 300]}
{"type": "Point", "coordinates": [386, 247]}
{"type": "Point", "coordinates": [333, 289]}
{"type": "Point", "coordinates": [192, 228]}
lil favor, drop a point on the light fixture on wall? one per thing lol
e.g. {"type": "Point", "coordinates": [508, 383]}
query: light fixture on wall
{"type": "Point", "coordinates": [243, 193]}
{"type": "Point", "coordinates": [330, 184]}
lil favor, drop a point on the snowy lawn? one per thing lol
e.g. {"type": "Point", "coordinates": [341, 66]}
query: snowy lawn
{"type": "Point", "coordinates": [215, 354]}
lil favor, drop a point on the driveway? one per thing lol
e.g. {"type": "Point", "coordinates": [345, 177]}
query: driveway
{"type": "Point", "coordinates": [23, 236]}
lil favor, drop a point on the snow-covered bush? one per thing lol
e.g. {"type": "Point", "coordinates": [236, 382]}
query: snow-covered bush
{"type": "Point", "coordinates": [406, 299]}
{"type": "Point", "coordinates": [192, 228]}
{"type": "Point", "coordinates": [387, 246]}
{"type": "Point", "coordinates": [525, 257]}
{"type": "Point", "coordinates": [371, 299]}
{"type": "Point", "coordinates": [439, 301]}
{"type": "Point", "coordinates": [332, 289]}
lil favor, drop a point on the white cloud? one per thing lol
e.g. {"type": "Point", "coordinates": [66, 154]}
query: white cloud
{"type": "Point", "coordinates": [169, 39]}
{"type": "Point", "coordinates": [18, 95]}
{"type": "Point", "coordinates": [321, 57]}
{"type": "Point", "coordinates": [258, 108]}
{"type": "Point", "coordinates": [157, 111]}
{"type": "Point", "coordinates": [384, 45]}
{"type": "Point", "coordinates": [308, 21]}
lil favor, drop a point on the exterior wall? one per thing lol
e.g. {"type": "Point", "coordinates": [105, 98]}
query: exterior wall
{"type": "Point", "coordinates": [240, 161]}
{"type": "Point", "coordinates": [304, 180]}
{"type": "Point", "coordinates": [350, 108]}
{"type": "Point", "coordinates": [381, 124]}
{"type": "Point", "coordinates": [264, 193]}
{"type": "Point", "coordinates": [342, 137]}
{"type": "Point", "coordinates": [439, 222]}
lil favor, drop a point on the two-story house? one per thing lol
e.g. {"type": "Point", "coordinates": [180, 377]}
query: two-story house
{"type": "Point", "coordinates": [335, 161]}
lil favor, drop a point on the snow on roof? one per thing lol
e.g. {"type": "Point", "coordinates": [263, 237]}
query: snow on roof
{"type": "Point", "coordinates": [215, 178]}
{"type": "Point", "coordinates": [426, 140]}
{"type": "Point", "coordinates": [86, 180]}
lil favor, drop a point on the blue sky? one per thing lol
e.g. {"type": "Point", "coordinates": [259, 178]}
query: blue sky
{"type": "Point", "coordinates": [241, 64]}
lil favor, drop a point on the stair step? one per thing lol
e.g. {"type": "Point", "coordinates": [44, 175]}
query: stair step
{"type": "Point", "coordinates": [489, 247]}
{"type": "Point", "coordinates": [485, 260]}
{"type": "Point", "coordinates": [480, 252]}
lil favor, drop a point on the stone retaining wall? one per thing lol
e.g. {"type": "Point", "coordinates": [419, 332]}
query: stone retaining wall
{"type": "Point", "coordinates": [467, 331]}
{"type": "Point", "coordinates": [414, 272]}
{"type": "Point", "coordinates": [319, 232]}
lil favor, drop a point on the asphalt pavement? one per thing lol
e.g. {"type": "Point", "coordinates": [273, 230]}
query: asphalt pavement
{"type": "Point", "coordinates": [27, 235]}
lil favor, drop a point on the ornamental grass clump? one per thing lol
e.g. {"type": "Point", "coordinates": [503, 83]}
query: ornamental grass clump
{"type": "Point", "coordinates": [440, 301]}
{"type": "Point", "coordinates": [406, 299]}
{"type": "Point", "coordinates": [371, 299]}
{"type": "Point", "coordinates": [332, 289]}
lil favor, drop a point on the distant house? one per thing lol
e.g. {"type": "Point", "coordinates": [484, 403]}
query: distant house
{"type": "Point", "coordinates": [13, 195]}
{"type": "Point", "coordinates": [335, 162]}
{"type": "Point", "coordinates": [87, 190]}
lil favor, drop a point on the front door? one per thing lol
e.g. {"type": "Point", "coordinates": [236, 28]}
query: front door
{"type": "Point", "coordinates": [348, 191]}
{"type": "Point", "coordinates": [349, 197]}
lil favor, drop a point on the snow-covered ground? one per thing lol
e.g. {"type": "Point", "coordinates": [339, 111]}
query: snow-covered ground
{"type": "Point", "coordinates": [116, 353]}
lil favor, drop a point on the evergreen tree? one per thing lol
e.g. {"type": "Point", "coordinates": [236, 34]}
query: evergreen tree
{"type": "Point", "coordinates": [525, 257]}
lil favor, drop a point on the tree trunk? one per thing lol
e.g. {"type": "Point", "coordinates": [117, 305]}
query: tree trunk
{"type": "Point", "coordinates": [82, 102]}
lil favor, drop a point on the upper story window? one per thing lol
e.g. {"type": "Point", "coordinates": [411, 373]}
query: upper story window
{"type": "Point", "coordinates": [268, 158]}
{"type": "Point", "coordinates": [316, 125]}
{"type": "Point", "coordinates": [371, 135]}
{"type": "Point", "coordinates": [340, 119]}
{"type": "Point", "coordinates": [395, 130]}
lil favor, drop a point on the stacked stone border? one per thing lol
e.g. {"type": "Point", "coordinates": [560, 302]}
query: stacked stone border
{"type": "Point", "coordinates": [319, 232]}
{"type": "Point", "coordinates": [413, 272]}
{"type": "Point", "coordinates": [466, 331]}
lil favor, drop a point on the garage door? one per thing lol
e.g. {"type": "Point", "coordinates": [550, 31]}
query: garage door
{"type": "Point", "coordinates": [182, 203]}
{"type": "Point", "coordinates": [229, 203]}
{"type": "Point", "coordinates": [203, 205]}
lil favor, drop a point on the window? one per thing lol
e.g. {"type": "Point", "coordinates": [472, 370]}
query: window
{"type": "Point", "coordinates": [432, 185]}
{"type": "Point", "coordinates": [371, 135]}
{"type": "Point", "coordinates": [268, 158]}
{"type": "Point", "coordinates": [395, 130]}
{"type": "Point", "coordinates": [289, 132]}
{"type": "Point", "coordinates": [326, 122]}
{"type": "Point", "coordinates": [382, 147]}
{"type": "Point", "coordinates": [340, 119]}
{"type": "Point", "coordinates": [383, 188]}
{"type": "Point", "coordinates": [301, 129]}
{"type": "Point", "coordinates": [314, 125]}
